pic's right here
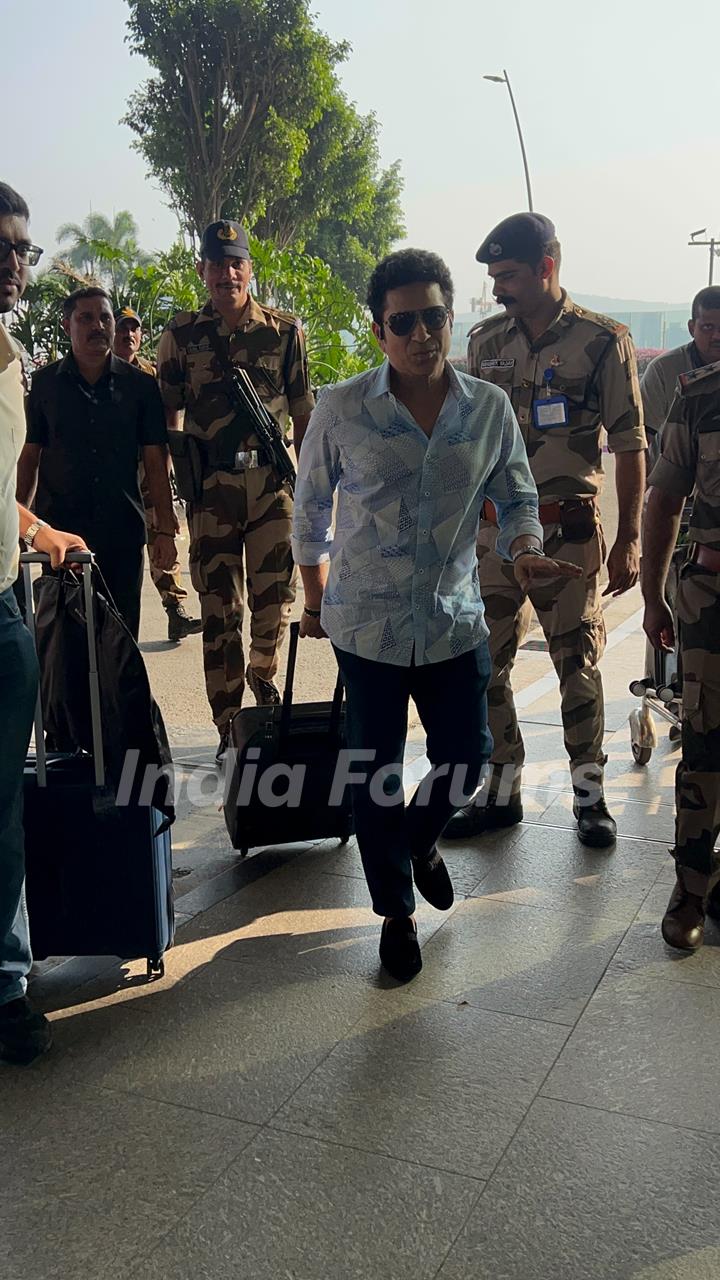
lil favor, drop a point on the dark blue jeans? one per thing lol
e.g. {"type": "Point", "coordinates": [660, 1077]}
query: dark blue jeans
{"type": "Point", "coordinates": [452, 704]}
{"type": "Point", "coordinates": [18, 690]}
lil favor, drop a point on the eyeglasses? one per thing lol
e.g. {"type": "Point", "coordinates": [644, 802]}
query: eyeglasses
{"type": "Point", "coordinates": [27, 254]}
{"type": "Point", "coordinates": [401, 323]}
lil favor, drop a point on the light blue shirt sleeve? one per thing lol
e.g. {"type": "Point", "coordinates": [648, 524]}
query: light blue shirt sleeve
{"type": "Point", "coordinates": [319, 471]}
{"type": "Point", "coordinates": [512, 489]}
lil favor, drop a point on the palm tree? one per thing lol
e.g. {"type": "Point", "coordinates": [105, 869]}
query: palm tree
{"type": "Point", "coordinates": [98, 247]}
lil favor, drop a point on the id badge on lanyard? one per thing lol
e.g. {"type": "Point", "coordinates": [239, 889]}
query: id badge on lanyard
{"type": "Point", "coordinates": [549, 410]}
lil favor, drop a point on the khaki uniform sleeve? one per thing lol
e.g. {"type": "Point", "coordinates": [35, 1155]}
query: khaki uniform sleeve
{"type": "Point", "coordinates": [301, 400]}
{"type": "Point", "coordinates": [620, 399]}
{"type": "Point", "coordinates": [473, 364]}
{"type": "Point", "coordinates": [675, 469]}
{"type": "Point", "coordinates": [655, 397]}
{"type": "Point", "coordinates": [171, 371]}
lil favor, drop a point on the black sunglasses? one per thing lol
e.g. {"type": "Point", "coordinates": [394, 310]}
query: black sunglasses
{"type": "Point", "coordinates": [401, 323]}
{"type": "Point", "coordinates": [27, 254]}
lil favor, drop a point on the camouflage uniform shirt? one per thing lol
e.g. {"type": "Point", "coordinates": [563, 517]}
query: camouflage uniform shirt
{"type": "Point", "coordinates": [690, 457]}
{"type": "Point", "coordinates": [593, 365]}
{"type": "Point", "coordinates": [269, 344]}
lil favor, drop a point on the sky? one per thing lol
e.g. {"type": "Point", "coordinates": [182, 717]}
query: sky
{"type": "Point", "coordinates": [619, 103]}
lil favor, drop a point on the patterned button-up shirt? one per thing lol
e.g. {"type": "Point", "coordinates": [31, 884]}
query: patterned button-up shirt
{"type": "Point", "coordinates": [403, 582]}
{"type": "Point", "coordinates": [590, 360]}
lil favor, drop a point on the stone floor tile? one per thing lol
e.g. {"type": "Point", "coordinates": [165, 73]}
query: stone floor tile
{"type": "Point", "coordinates": [236, 1040]}
{"type": "Point", "coordinates": [515, 959]}
{"type": "Point", "coordinates": [552, 869]}
{"type": "Point", "coordinates": [294, 1207]}
{"type": "Point", "coordinates": [646, 1046]}
{"type": "Point", "coordinates": [91, 1190]}
{"type": "Point", "coordinates": [648, 820]}
{"type": "Point", "coordinates": [643, 952]}
{"type": "Point", "coordinates": [443, 1085]}
{"type": "Point", "coordinates": [583, 1195]}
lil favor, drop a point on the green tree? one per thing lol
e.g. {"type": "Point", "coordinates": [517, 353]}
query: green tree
{"type": "Point", "coordinates": [223, 123]}
{"type": "Point", "coordinates": [344, 208]}
{"type": "Point", "coordinates": [245, 118]}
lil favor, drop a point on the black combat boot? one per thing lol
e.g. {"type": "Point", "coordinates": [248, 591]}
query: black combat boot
{"type": "Point", "coordinates": [180, 624]}
{"type": "Point", "coordinates": [683, 924]}
{"type": "Point", "coordinates": [266, 692]}
{"type": "Point", "coordinates": [595, 827]}
{"type": "Point", "coordinates": [489, 815]}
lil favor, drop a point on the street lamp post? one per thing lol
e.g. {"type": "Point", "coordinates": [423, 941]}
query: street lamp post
{"type": "Point", "coordinates": [713, 244]}
{"type": "Point", "coordinates": [505, 79]}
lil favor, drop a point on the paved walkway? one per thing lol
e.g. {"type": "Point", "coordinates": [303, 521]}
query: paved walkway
{"type": "Point", "coordinates": [540, 1104]}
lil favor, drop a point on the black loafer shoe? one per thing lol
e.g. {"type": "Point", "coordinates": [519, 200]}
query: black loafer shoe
{"type": "Point", "coordinates": [476, 819]}
{"type": "Point", "coordinates": [400, 950]}
{"type": "Point", "coordinates": [433, 881]}
{"type": "Point", "coordinates": [24, 1033]}
{"type": "Point", "coordinates": [595, 827]}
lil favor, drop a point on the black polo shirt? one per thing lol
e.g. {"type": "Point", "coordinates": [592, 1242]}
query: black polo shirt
{"type": "Point", "coordinates": [91, 438]}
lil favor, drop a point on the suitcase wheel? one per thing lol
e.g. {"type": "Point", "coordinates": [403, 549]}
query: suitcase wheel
{"type": "Point", "coordinates": [155, 969]}
{"type": "Point", "coordinates": [244, 850]}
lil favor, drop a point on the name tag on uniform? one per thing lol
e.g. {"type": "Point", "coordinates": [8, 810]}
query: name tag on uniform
{"type": "Point", "coordinates": [551, 411]}
{"type": "Point", "coordinates": [486, 365]}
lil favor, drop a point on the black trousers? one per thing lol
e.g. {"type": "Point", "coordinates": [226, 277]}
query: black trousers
{"type": "Point", "coordinates": [452, 704]}
{"type": "Point", "coordinates": [122, 568]}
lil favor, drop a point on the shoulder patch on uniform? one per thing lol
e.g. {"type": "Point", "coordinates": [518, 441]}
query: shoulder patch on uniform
{"type": "Point", "coordinates": [276, 313]}
{"type": "Point", "coordinates": [182, 318]}
{"type": "Point", "coordinates": [489, 325]}
{"type": "Point", "coordinates": [603, 322]}
{"type": "Point", "coordinates": [693, 377]}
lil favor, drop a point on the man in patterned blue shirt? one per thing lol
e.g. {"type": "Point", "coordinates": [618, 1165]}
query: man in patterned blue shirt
{"type": "Point", "coordinates": [411, 449]}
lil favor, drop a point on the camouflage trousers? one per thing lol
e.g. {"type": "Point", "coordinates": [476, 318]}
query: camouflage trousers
{"type": "Point", "coordinates": [167, 581]}
{"type": "Point", "coordinates": [570, 614]}
{"type": "Point", "coordinates": [240, 540]}
{"type": "Point", "coordinates": [697, 780]}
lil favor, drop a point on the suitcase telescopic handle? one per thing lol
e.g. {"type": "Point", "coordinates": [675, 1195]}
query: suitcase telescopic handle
{"type": "Point", "coordinates": [87, 560]}
{"type": "Point", "coordinates": [287, 703]}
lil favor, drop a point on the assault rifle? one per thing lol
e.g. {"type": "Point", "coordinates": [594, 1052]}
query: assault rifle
{"type": "Point", "coordinates": [265, 426]}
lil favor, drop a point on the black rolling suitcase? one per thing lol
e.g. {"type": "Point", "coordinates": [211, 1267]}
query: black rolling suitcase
{"type": "Point", "coordinates": [309, 735]}
{"type": "Point", "coordinates": [98, 874]}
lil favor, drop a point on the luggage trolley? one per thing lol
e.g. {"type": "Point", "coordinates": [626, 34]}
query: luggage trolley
{"type": "Point", "coordinates": [661, 686]}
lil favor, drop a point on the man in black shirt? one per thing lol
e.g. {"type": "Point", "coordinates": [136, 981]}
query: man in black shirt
{"type": "Point", "coordinates": [91, 418]}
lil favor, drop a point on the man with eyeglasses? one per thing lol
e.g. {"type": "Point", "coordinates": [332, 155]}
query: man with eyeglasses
{"type": "Point", "coordinates": [660, 380]}
{"type": "Point", "coordinates": [410, 449]}
{"type": "Point", "coordinates": [24, 1034]}
{"type": "Point", "coordinates": [569, 373]}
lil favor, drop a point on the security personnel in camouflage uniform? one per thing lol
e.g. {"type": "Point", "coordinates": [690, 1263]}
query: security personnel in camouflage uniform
{"type": "Point", "coordinates": [690, 463]}
{"type": "Point", "coordinates": [128, 336]}
{"type": "Point", "coordinates": [244, 512]}
{"type": "Point", "coordinates": [568, 373]}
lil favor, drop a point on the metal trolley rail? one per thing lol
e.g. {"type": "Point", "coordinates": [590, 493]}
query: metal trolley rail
{"type": "Point", "coordinates": [661, 686]}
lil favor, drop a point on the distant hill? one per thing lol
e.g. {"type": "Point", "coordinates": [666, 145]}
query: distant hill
{"type": "Point", "coordinates": [607, 306]}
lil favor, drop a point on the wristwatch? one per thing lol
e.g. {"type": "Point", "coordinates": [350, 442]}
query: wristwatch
{"type": "Point", "coordinates": [31, 532]}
